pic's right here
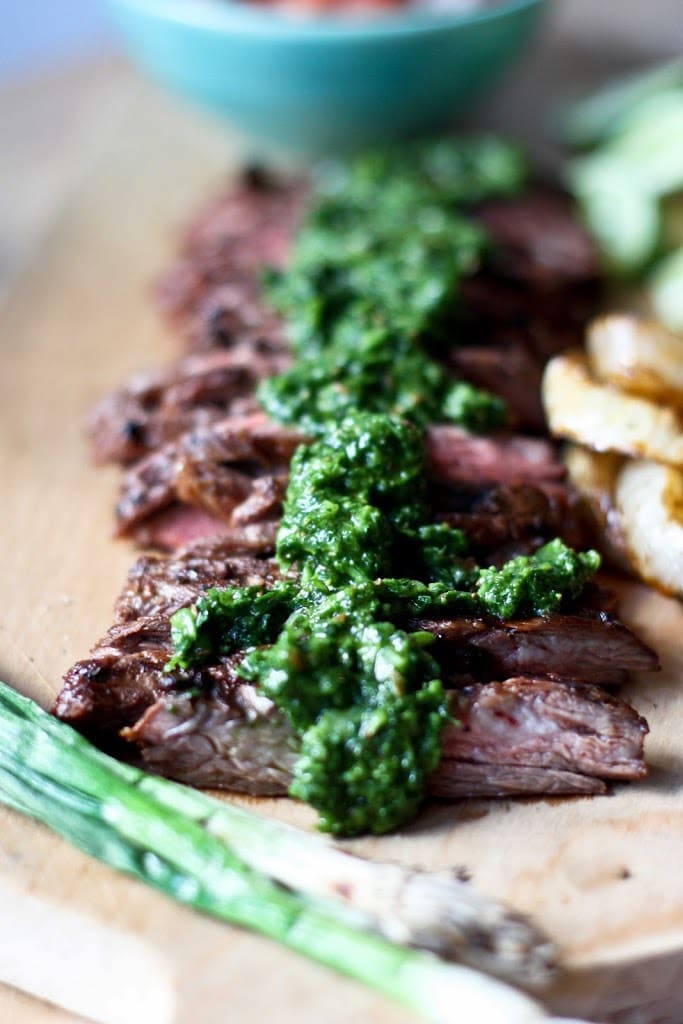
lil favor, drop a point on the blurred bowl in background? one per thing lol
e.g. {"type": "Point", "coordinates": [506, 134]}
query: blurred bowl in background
{"type": "Point", "coordinates": [318, 85]}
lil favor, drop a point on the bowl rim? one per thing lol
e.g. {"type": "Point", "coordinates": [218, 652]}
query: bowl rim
{"type": "Point", "coordinates": [225, 17]}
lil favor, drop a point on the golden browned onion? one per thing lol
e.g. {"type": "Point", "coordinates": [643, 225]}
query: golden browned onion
{"type": "Point", "coordinates": [581, 409]}
{"type": "Point", "coordinates": [594, 475]}
{"type": "Point", "coordinates": [649, 499]}
{"type": "Point", "coordinates": [640, 356]}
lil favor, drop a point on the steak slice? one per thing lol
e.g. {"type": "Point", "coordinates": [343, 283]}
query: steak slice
{"type": "Point", "coordinates": [537, 239]}
{"type": "Point", "coordinates": [510, 370]}
{"type": "Point", "coordinates": [588, 647]}
{"type": "Point", "coordinates": [178, 526]}
{"type": "Point", "coordinates": [207, 727]}
{"type": "Point", "coordinates": [159, 586]}
{"type": "Point", "coordinates": [124, 673]}
{"type": "Point", "coordinates": [458, 457]}
{"type": "Point", "coordinates": [103, 693]}
{"type": "Point", "coordinates": [236, 313]}
{"type": "Point", "coordinates": [543, 737]}
{"type": "Point", "coordinates": [511, 519]}
{"type": "Point", "coordinates": [541, 279]}
{"type": "Point", "coordinates": [235, 472]}
{"type": "Point", "coordinates": [215, 469]}
{"type": "Point", "coordinates": [213, 291]}
{"type": "Point", "coordinates": [542, 724]}
{"type": "Point", "coordinates": [254, 220]}
{"type": "Point", "coordinates": [245, 745]}
{"type": "Point", "coordinates": [460, 780]}
{"type": "Point", "coordinates": [158, 406]}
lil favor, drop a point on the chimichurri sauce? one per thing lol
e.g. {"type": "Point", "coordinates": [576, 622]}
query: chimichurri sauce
{"type": "Point", "coordinates": [372, 285]}
{"type": "Point", "coordinates": [374, 281]}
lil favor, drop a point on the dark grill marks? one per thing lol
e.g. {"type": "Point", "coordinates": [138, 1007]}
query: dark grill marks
{"type": "Point", "coordinates": [159, 406]}
{"type": "Point", "coordinates": [205, 468]}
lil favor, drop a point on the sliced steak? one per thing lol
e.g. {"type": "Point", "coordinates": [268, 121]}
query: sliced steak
{"type": "Point", "coordinates": [215, 469]}
{"type": "Point", "coordinates": [235, 473]}
{"type": "Point", "coordinates": [513, 519]}
{"type": "Point", "coordinates": [124, 673]}
{"type": "Point", "coordinates": [237, 314]}
{"type": "Point", "coordinates": [208, 728]}
{"type": "Point", "coordinates": [589, 647]}
{"type": "Point", "coordinates": [245, 745]}
{"type": "Point", "coordinates": [537, 239]}
{"type": "Point", "coordinates": [456, 780]}
{"type": "Point", "coordinates": [541, 280]}
{"type": "Point", "coordinates": [458, 457]}
{"type": "Point", "coordinates": [544, 724]}
{"type": "Point", "coordinates": [108, 690]}
{"type": "Point", "coordinates": [543, 737]}
{"type": "Point", "coordinates": [509, 370]}
{"type": "Point", "coordinates": [213, 292]}
{"type": "Point", "coordinates": [159, 586]}
{"type": "Point", "coordinates": [178, 526]}
{"type": "Point", "coordinates": [256, 218]}
{"type": "Point", "coordinates": [158, 406]}
{"type": "Point", "coordinates": [546, 322]}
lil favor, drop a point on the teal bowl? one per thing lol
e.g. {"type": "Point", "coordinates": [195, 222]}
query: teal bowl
{"type": "Point", "coordinates": [320, 85]}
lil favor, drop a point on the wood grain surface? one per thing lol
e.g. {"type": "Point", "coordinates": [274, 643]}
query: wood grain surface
{"type": "Point", "coordinates": [602, 875]}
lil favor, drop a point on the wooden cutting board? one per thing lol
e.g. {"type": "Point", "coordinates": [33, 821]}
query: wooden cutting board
{"type": "Point", "coordinates": [602, 875]}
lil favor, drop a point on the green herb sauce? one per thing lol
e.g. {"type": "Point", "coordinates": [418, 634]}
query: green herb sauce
{"type": "Point", "coordinates": [373, 283]}
{"type": "Point", "coordinates": [227, 620]}
{"type": "Point", "coordinates": [536, 584]}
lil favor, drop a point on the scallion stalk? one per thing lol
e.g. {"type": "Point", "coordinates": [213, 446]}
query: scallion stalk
{"type": "Point", "coordinates": [115, 813]}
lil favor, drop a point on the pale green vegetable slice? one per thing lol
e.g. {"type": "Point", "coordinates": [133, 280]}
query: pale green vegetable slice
{"type": "Point", "coordinates": [666, 290]}
{"type": "Point", "coordinates": [622, 216]}
{"type": "Point", "coordinates": [650, 143]}
{"type": "Point", "coordinates": [599, 116]}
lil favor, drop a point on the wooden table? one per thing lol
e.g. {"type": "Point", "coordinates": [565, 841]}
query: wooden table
{"type": "Point", "coordinates": [99, 168]}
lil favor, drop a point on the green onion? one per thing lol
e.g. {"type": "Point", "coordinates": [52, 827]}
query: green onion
{"type": "Point", "coordinates": [188, 846]}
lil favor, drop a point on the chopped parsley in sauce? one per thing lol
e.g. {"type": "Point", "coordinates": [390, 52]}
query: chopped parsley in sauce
{"type": "Point", "coordinates": [373, 287]}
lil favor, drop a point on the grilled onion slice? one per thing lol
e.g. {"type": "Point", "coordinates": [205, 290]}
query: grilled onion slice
{"type": "Point", "coordinates": [640, 356]}
{"type": "Point", "coordinates": [649, 499]}
{"type": "Point", "coordinates": [582, 409]}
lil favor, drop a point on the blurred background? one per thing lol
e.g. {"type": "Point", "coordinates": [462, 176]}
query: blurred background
{"type": "Point", "coordinates": [65, 87]}
{"type": "Point", "coordinates": [39, 35]}
{"type": "Point", "coordinates": [43, 35]}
